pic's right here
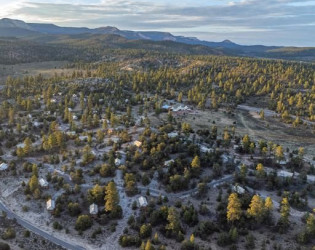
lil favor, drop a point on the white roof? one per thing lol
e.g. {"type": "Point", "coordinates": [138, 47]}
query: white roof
{"type": "Point", "coordinates": [205, 149]}
{"type": "Point", "coordinates": [180, 108]}
{"type": "Point", "coordinates": [70, 132]}
{"type": "Point", "coordinates": [36, 124]}
{"type": "Point", "coordinates": [43, 182]}
{"type": "Point", "coordinates": [284, 173]}
{"type": "Point", "coordinates": [238, 189]}
{"type": "Point", "coordinates": [172, 134]}
{"type": "Point", "coordinates": [137, 143]}
{"type": "Point", "coordinates": [117, 162]}
{"type": "Point", "coordinates": [93, 209]}
{"type": "Point", "coordinates": [168, 163]}
{"type": "Point", "coordinates": [83, 137]}
{"type": "Point", "coordinates": [3, 166]}
{"type": "Point", "coordinates": [50, 204]}
{"type": "Point", "coordinates": [142, 201]}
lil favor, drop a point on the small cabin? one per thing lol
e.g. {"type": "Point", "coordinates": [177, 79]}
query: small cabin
{"type": "Point", "coordinates": [168, 163]}
{"type": "Point", "coordinates": [137, 143]}
{"type": "Point", "coordinates": [117, 162]}
{"type": "Point", "coordinates": [50, 205]}
{"type": "Point", "coordinates": [172, 134]}
{"type": "Point", "coordinates": [93, 209]}
{"type": "Point", "coordinates": [3, 166]}
{"type": "Point", "coordinates": [238, 189]}
{"type": "Point", "coordinates": [43, 183]}
{"type": "Point", "coordinates": [142, 201]}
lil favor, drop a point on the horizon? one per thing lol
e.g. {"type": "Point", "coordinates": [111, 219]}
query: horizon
{"type": "Point", "coordinates": [246, 22]}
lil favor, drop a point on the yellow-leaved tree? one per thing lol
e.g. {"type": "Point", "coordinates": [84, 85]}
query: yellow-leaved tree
{"type": "Point", "coordinates": [234, 210]}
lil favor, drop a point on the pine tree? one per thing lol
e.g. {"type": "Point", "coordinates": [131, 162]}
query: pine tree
{"type": "Point", "coordinates": [111, 197]}
{"type": "Point", "coordinates": [268, 205]}
{"type": "Point", "coordinates": [262, 114]}
{"type": "Point", "coordinates": [149, 246]}
{"type": "Point", "coordinates": [285, 211]}
{"type": "Point", "coordinates": [195, 162]}
{"type": "Point", "coordinates": [173, 220]}
{"type": "Point", "coordinates": [279, 153]}
{"type": "Point", "coordinates": [256, 208]}
{"type": "Point", "coordinates": [243, 171]}
{"type": "Point", "coordinates": [260, 170]}
{"type": "Point", "coordinates": [234, 210]}
{"type": "Point", "coordinates": [192, 239]}
{"type": "Point", "coordinates": [27, 146]}
{"type": "Point", "coordinates": [33, 183]}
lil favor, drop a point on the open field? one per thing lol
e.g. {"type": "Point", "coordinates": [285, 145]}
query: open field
{"type": "Point", "coordinates": [47, 69]}
{"type": "Point", "coordinates": [270, 129]}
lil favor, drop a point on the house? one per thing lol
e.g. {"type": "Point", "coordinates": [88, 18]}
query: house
{"type": "Point", "coordinates": [117, 162]}
{"type": "Point", "coordinates": [236, 147]}
{"type": "Point", "coordinates": [172, 134]}
{"type": "Point", "coordinates": [43, 183]}
{"type": "Point", "coordinates": [93, 209]}
{"type": "Point", "coordinates": [137, 143]}
{"type": "Point", "coordinates": [50, 205]}
{"type": "Point", "coordinates": [36, 124]}
{"type": "Point", "coordinates": [3, 166]}
{"type": "Point", "coordinates": [83, 137]}
{"type": "Point", "coordinates": [283, 173]}
{"type": "Point", "coordinates": [205, 149]}
{"type": "Point", "coordinates": [168, 163]}
{"type": "Point", "coordinates": [71, 133]}
{"type": "Point", "coordinates": [238, 189]}
{"type": "Point", "coordinates": [142, 201]}
{"type": "Point", "coordinates": [181, 108]}
{"type": "Point", "coordinates": [74, 117]}
{"type": "Point", "coordinates": [165, 106]}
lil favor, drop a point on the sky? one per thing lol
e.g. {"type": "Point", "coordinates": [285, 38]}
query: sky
{"type": "Point", "coordinates": [268, 22]}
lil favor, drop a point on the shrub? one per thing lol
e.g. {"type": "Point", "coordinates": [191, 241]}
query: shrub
{"type": "Point", "coordinates": [145, 231]}
{"type": "Point", "coordinates": [83, 222]}
{"type": "Point", "coordinates": [129, 241]}
{"type": "Point", "coordinates": [9, 233]}
{"type": "Point", "coordinates": [4, 246]}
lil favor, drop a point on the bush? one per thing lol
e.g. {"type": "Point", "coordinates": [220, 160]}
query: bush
{"type": "Point", "coordinates": [224, 239]}
{"type": "Point", "coordinates": [145, 231]}
{"type": "Point", "coordinates": [83, 222]}
{"type": "Point", "coordinates": [27, 234]}
{"type": "Point", "coordinates": [4, 246]}
{"type": "Point", "coordinates": [8, 234]}
{"type": "Point", "coordinates": [205, 228]}
{"type": "Point", "coordinates": [57, 226]}
{"type": "Point", "coordinates": [129, 241]}
{"type": "Point", "coordinates": [74, 209]}
{"type": "Point", "coordinates": [188, 245]}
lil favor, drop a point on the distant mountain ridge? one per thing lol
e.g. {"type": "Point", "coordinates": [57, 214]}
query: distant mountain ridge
{"type": "Point", "coordinates": [51, 33]}
{"type": "Point", "coordinates": [18, 28]}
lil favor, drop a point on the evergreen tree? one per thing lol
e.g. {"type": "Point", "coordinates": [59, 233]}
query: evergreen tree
{"type": "Point", "coordinates": [111, 197]}
{"type": "Point", "coordinates": [234, 210]}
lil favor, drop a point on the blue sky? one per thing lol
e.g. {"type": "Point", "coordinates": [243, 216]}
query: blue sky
{"type": "Point", "coordinates": [269, 22]}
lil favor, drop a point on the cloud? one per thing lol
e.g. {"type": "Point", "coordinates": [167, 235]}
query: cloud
{"type": "Point", "coordinates": [244, 21]}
